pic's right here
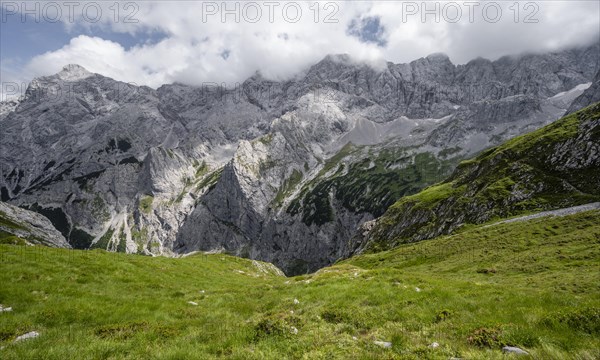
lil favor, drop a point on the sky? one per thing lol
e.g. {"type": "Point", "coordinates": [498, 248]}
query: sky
{"type": "Point", "coordinates": [193, 42]}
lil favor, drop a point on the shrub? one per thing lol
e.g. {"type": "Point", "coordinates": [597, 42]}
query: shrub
{"type": "Point", "coordinates": [443, 315]}
{"type": "Point", "coordinates": [348, 316]}
{"type": "Point", "coordinates": [276, 325]}
{"type": "Point", "coordinates": [486, 271]}
{"type": "Point", "coordinates": [335, 316]}
{"type": "Point", "coordinates": [486, 337]}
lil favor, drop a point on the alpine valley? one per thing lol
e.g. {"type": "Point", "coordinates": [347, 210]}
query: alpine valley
{"type": "Point", "coordinates": [298, 172]}
{"type": "Point", "coordinates": [412, 211]}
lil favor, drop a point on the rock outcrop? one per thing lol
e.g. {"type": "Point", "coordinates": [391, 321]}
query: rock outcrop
{"type": "Point", "coordinates": [590, 95]}
{"type": "Point", "coordinates": [29, 226]}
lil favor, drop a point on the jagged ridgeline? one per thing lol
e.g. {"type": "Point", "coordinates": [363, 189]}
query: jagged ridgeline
{"type": "Point", "coordinates": [284, 172]}
{"type": "Point", "coordinates": [554, 167]}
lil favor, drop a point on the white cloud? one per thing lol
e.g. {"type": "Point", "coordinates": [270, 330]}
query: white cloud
{"type": "Point", "coordinates": [191, 51]}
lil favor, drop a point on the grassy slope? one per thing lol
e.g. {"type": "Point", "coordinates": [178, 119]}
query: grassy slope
{"type": "Point", "coordinates": [532, 284]}
{"type": "Point", "coordinates": [521, 176]}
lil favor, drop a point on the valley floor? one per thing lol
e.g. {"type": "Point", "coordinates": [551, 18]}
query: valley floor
{"type": "Point", "coordinates": [534, 284]}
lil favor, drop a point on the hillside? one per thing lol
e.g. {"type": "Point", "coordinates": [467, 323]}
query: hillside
{"type": "Point", "coordinates": [530, 284]}
{"type": "Point", "coordinates": [554, 167]}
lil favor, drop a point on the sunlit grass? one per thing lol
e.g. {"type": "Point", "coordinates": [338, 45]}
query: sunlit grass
{"type": "Point", "coordinates": [535, 285]}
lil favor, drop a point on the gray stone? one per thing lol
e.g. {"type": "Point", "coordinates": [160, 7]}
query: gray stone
{"type": "Point", "coordinates": [384, 344]}
{"type": "Point", "coordinates": [29, 335]}
{"type": "Point", "coordinates": [514, 350]}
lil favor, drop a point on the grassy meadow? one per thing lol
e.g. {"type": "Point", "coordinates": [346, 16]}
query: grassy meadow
{"type": "Point", "coordinates": [534, 284]}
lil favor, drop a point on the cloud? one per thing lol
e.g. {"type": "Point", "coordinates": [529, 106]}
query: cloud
{"type": "Point", "coordinates": [196, 46]}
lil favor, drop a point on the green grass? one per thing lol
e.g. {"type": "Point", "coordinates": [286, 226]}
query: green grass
{"type": "Point", "coordinates": [432, 194]}
{"type": "Point", "coordinates": [8, 238]}
{"type": "Point", "coordinates": [533, 284]}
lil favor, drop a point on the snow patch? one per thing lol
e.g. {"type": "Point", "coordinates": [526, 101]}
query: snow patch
{"type": "Point", "coordinates": [578, 88]}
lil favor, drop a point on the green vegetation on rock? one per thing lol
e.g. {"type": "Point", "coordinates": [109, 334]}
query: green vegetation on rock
{"type": "Point", "coordinates": [122, 246]}
{"type": "Point", "coordinates": [10, 239]}
{"type": "Point", "coordinates": [103, 242]}
{"type": "Point", "coordinates": [288, 185]}
{"type": "Point", "coordinates": [526, 174]}
{"type": "Point", "coordinates": [146, 204]}
{"type": "Point", "coordinates": [267, 139]}
{"type": "Point", "coordinates": [9, 229]}
{"type": "Point", "coordinates": [370, 184]}
{"type": "Point", "coordinates": [6, 222]}
{"type": "Point", "coordinates": [99, 208]}
{"type": "Point", "coordinates": [139, 237]}
{"type": "Point", "coordinates": [210, 180]}
{"type": "Point", "coordinates": [201, 169]}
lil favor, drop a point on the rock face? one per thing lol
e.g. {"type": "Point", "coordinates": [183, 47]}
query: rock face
{"type": "Point", "coordinates": [590, 95]}
{"type": "Point", "coordinates": [557, 166]}
{"type": "Point", "coordinates": [29, 226]}
{"type": "Point", "coordinates": [276, 171]}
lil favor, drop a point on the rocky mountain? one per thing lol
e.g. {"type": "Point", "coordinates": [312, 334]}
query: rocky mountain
{"type": "Point", "coordinates": [590, 96]}
{"type": "Point", "coordinates": [554, 167]}
{"type": "Point", "coordinates": [28, 226]}
{"type": "Point", "coordinates": [277, 171]}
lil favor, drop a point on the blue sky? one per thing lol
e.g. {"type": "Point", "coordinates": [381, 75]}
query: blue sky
{"type": "Point", "coordinates": [185, 42]}
{"type": "Point", "coordinates": [22, 40]}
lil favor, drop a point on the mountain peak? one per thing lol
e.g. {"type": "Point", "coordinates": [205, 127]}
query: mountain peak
{"type": "Point", "coordinates": [439, 56]}
{"type": "Point", "coordinates": [69, 72]}
{"type": "Point", "coordinates": [72, 72]}
{"type": "Point", "coordinates": [337, 58]}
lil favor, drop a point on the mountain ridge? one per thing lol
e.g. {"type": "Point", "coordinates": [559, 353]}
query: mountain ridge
{"type": "Point", "coordinates": [263, 170]}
